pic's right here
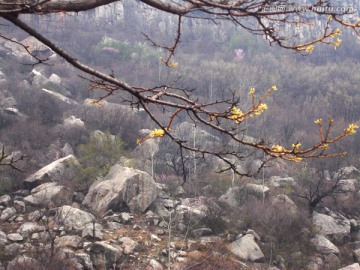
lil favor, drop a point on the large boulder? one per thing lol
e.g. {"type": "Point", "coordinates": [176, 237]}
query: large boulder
{"type": "Point", "coordinates": [246, 248]}
{"type": "Point", "coordinates": [332, 224]}
{"type": "Point", "coordinates": [57, 171]}
{"type": "Point", "coordinates": [49, 194]}
{"type": "Point", "coordinates": [73, 218]}
{"type": "Point", "coordinates": [122, 188]}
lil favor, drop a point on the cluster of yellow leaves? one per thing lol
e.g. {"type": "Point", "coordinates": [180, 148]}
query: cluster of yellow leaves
{"type": "Point", "coordinates": [237, 114]}
{"type": "Point", "coordinates": [309, 48]}
{"type": "Point", "coordinates": [278, 150]}
{"type": "Point", "coordinates": [351, 129]}
{"type": "Point", "coordinates": [155, 133]}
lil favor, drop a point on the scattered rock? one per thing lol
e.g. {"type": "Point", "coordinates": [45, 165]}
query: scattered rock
{"type": "Point", "coordinates": [246, 249]}
{"type": "Point", "coordinates": [128, 245]}
{"type": "Point", "coordinates": [69, 241]}
{"type": "Point", "coordinates": [15, 237]}
{"type": "Point", "coordinates": [27, 228]}
{"type": "Point", "coordinates": [7, 214]}
{"type": "Point", "coordinates": [153, 237]}
{"type": "Point", "coordinates": [155, 265]}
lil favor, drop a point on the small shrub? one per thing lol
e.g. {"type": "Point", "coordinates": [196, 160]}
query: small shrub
{"type": "Point", "coordinates": [97, 156]}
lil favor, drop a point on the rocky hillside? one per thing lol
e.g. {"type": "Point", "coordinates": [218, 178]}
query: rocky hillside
{"type": "Point", "coordinates": [88, 197]}
{"type": "Point", "coordinates": [126, 220]}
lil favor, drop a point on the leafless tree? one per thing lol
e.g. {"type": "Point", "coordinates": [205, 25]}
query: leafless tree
{"type": "Point", "coordinates": [260, 17]}
{"type": "Point", "coordinates": [316, 188]}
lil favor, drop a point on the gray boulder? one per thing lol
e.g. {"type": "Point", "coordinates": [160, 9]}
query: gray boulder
{"type": "Point", "coordinates": [103, 253]}
{"type": "Point", "coordinates": [15, 237]}
{"type": "Point", "coordinates": [57, 171]}
{"type": "Point", "coordinates": [73, 218]}
{"type": "Point", "coordinates": [128, 245]}
{"type": "Point", "coordinates": [122, 187]}
{"type": "Point", "coordinates": [49, 194]}
{"type": "Point", "coordinates": [323, 245]}
{"type": "Point", "coordinates": [245, 248]}
{"type": "Point", "coordinates": [332, 224]}
{"type": "Point", "coordinates": [8, 213]}
{"type": "Point", "coordinates": [5, 200]}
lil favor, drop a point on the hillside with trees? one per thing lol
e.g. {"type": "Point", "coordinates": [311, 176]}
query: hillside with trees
{"type": "Point", "coordinates": [154, 135]}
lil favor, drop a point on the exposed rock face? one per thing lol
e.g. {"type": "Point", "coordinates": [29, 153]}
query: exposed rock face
{"type": "Point", "coordinates": [122, 187]}
{"type": "Point", "coordinates": [49, 194]}
{"type": "Point", "coordinates": [331, 224]}
{"type": "Point", "coordinates": [57, 171]}
{"type": "Point", "coordinates": [73, 218]}
{"type": "Point", "coordinates": [246, 248]}
{"type": "Point", "coordinates": [323, 245]}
